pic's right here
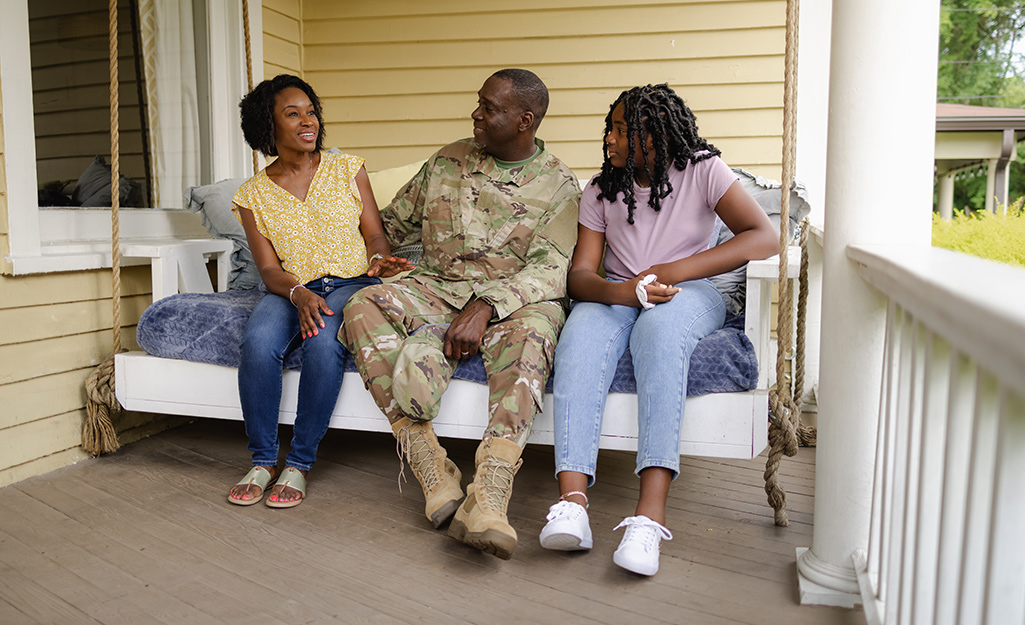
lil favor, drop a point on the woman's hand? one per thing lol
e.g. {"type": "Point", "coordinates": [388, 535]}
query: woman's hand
{"type": "Point", "coordinates": [388, 266]}
{"type": "Point", "coordinates": [310, 307]}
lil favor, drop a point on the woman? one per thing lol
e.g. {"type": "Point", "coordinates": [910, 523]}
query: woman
{"type": "Point", "coordinates": [316, 236]}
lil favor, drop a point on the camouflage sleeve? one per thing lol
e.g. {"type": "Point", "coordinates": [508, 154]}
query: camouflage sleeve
{"type": "Point", "coordinates": [403, 216]}
{"type": "Point", "coordinates": [548, 256]}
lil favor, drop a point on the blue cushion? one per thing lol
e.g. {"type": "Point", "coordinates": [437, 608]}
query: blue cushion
{"type": "Point", "coordinates": [208, 327]}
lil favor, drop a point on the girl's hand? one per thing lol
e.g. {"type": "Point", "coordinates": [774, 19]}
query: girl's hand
{"type": "Point", "coordinates": [657, 293]}
{"type": "Point", "coordinates": [389, 266]}
{"type": "Point", "coordinates": [310, 307]}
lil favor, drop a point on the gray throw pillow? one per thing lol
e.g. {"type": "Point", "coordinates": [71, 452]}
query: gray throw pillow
{"type": "Point", "coordinates": [213, 203]}
{"type": "Point", "coordinates": [768, 194]}
{"type": "Point", "coordinates": [93, 187]}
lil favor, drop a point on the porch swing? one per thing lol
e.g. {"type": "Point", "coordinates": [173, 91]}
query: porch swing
{"type": "Point", "coordinates": [737, 424]}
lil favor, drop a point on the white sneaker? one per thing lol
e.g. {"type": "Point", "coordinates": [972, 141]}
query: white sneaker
{"type": "Point", "coordinates": [568, 528]}
{"type": "Point", "coordinates": [638, 551]}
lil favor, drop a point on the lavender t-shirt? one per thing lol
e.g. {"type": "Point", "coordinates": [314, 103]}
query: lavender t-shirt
{"type": "Point", "coordinates": [681, 228]}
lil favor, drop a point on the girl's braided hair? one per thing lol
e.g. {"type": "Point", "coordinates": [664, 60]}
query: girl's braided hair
{"type": "Point", "coordinates": [655, 111]}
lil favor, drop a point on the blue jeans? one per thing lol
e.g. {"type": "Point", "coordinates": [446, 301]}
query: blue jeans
{"type": "Point", "coordinates": [661, 342]}
{"type": "Point", "coordinates": [273, 332]}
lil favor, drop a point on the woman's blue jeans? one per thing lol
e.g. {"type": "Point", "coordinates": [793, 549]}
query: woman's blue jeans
{"type": "Point", "coordinates": [273, 332]}
{"type": "Point", "coordinates": [661, 342]}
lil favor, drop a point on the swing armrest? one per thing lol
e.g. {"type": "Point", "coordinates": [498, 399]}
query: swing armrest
{"type": "Point", "coordinates": [179, 265]}
{"type": "Point", "coordinates": [761, 274]}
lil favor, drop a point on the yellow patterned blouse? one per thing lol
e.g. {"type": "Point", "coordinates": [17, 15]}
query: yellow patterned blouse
{"type": "Point", "coordinates": [318, 236]}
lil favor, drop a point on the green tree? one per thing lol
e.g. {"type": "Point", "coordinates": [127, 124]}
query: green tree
{"type": "Point", "coordinates": [982, 63]}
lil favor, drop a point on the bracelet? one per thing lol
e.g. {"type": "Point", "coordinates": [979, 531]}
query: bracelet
{"type": "Point", "coordinates": [376, 257]}
{"type": "Point", "coordinates": [576, 492]}
{"type": "Point", "coordinates": [292, 290]}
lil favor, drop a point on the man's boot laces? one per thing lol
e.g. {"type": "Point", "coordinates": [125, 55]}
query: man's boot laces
{"type": "Point", "coordinates": [417, 449]}
{"type": "Point", "coordinates": [496, 480]}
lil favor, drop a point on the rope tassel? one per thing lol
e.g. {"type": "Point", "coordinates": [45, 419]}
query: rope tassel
{"type": "Point", "coordinates": [98, 433]}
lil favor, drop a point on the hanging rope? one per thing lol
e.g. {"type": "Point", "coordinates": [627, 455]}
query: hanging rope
{"type": "Point", "coordinates": [785, 429]}
{"type": "Point", "coordinates": [249, 66]}
{"type": "Point", "coordinates": [98, 433]}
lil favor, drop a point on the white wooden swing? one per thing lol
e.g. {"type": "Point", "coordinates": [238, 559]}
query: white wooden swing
{"type": "Point", "coordinates": [727, 425]}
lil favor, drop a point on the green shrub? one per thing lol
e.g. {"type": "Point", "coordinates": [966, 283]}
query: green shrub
{"type": "Point", "coordinates": [999, 237]}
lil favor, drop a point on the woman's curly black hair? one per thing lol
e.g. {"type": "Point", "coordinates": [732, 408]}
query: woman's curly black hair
{"type": "Point", "coordinates": [257, 112]}
{"type": "Point", "coordinates": [655, 111]}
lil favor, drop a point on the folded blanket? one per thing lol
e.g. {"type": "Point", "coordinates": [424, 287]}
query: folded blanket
{"type": "Point", "coordinates": [208, 327]}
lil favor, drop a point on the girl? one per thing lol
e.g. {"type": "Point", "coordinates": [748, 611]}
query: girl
{"type": "Point", "coordinates": [650, 212]}
{"type": "Point", "coordinates": [316, 236]}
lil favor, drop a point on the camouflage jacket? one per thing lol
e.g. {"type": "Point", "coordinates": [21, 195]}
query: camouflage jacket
{"type": "Point", "coordinates": [505, 237]}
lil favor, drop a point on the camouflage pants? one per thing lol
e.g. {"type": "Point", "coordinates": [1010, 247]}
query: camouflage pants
{"type": "Point", "coordinates": [517, 351]}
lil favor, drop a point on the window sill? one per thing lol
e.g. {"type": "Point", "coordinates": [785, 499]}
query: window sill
{"type": "Point", "coordinates": [80, 239]}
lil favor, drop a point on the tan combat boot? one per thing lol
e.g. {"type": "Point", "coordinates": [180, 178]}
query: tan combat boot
{"type": "Point", "coordinates": [438, 476]}
{"type": "Point", "coordinates": [481, 521]}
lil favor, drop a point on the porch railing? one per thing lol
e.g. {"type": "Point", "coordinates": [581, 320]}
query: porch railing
{"type": "Point", "coordinates": [947, 537]}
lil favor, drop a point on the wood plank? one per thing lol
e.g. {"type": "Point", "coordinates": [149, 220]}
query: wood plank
{"type": "Point", "coordinates": [330, 9]}
{"type": "Point", "coordinates": [21, 325]}
{"type": "Point", "coordinates": [557, 75]}
{"type": "Point", "coordinates": [564, 102]}
{"type": "Point", "coordinates": [53, 288]}
{"type": "Point", "coordinates": [512, 52]}
{"type": "Point", "coordinates": [23, 361]}
{"type": "Point", "coordinates": [39, 466]}
{"type": "Point", "coordinates": [505, 22]}
{"type": "Point", "coordinates": [36, 439]}
{"type": "Point", "coordinates": [36, 398]}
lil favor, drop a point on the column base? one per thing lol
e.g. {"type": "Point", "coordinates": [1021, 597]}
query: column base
{"type": "Point", "coordinates": [822, 583]}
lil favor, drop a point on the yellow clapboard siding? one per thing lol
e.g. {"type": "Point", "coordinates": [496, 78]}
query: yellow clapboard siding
{"type": "Point", "coordinates": [42, 465]}
{"type": "Point", "coordinates": [513, 52]}
{"type": "Point", "coordinates": [282, 26]}
{"type": "Point", "coordinates": [759, 122]}
{"type": "Point", "coordinates": [282, 53]}
{"type": "Point", "coordinates": [33, 323]}
{"type": "Point", "coordinates": [27, 442]}
{"type": "Point", "coordinates": [563, 102]}
{"type": "Point", "coordinates": [24, 361]}
{"type": "Point", "coordinates": [482, 24]}
{"type": "Point", "coordinates": [329, 9]}
{"type": "Point", "coordinates": [60, 433]}
{"type": "Point", "coordinates": [37, 398]}
{"type": "Point", "coordinates": [616, 76]}
{"type": "Point", "coordinates": [53, 288]}
{"type": "Point", "coordinates": [285, 7]}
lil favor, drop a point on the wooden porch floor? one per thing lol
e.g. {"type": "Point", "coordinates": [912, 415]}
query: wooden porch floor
{"type": "Point", "coordinates": [147, 536]}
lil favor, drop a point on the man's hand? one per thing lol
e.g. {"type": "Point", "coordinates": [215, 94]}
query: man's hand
{"type": "Point", "coordinates": [466, 331]}
{"type": "Point", "coordinates": [388, 266]}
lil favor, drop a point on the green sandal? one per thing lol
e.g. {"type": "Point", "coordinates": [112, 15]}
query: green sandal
{"type": "Point", "coordinates": [292, 478]}
{"type": "Point", "coordinates": [260, 476]}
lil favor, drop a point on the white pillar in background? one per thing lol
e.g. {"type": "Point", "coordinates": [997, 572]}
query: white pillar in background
{"type": "Point", "coordinates": [945, 201]}
{"type": "Point", "coordinates": [991, 187]}
{"type": "Point", "coordinates": [882, 108]}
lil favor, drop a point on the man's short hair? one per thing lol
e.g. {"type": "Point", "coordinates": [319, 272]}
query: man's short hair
{"type": "Point", "coordinates": [529, 89]}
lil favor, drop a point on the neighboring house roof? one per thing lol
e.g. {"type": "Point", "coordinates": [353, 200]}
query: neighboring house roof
{"type": "Point", "coordinates": [967, 117]}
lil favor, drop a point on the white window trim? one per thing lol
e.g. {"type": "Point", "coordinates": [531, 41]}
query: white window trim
{"type": "Point", "coordinates": [60, 239]}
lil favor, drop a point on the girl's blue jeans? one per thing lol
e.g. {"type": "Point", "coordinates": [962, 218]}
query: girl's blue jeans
{"type": "Point", "coordinates": [661, 342]}
{"type": "Point", "coordinates": [273, 332]}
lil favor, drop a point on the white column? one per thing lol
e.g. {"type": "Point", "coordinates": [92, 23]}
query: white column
{"type": "Point", "coordinates": [945, 201]}
{"type": "Point", "coordinates": [882, 101]}
{"type": "Point", "coordinates": [991, 187]}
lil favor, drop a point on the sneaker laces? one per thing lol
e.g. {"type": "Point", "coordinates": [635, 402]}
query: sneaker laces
{"type": "Point", "coordinates": [496, 480]}
{"type": "Point", "coordinates": [645, 531]}
{"type": "Point", "coordinates": [564, 510]}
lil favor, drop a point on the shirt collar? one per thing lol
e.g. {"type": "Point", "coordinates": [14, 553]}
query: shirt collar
{"type": "Point", "coordinates": [485, 164]}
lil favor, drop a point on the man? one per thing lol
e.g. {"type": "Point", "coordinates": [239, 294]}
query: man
{"type": "Point", "coordinates": [497, 218]}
